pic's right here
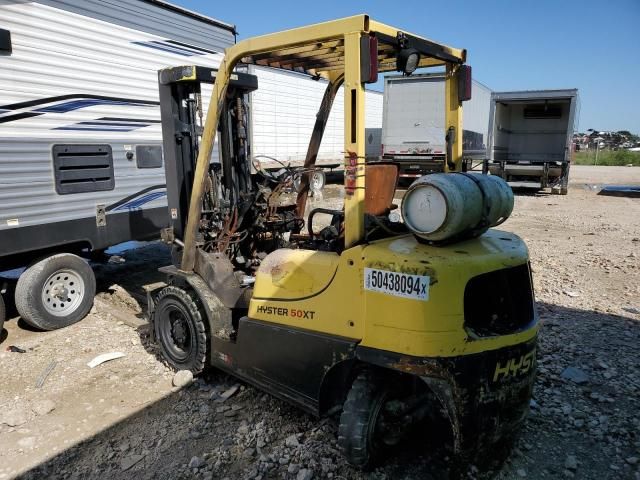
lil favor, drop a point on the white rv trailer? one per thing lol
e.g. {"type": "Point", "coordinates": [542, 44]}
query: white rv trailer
{"type": "Point", "coordinates": [80, 139]}
{"type": "Point", "coordinates": [413, 131]}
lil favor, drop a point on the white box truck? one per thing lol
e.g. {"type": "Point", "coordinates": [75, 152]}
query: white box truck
{"type": "Point", "coordinates": [531, 137]}
{"type": "Point", "coordinates": [413, 125]}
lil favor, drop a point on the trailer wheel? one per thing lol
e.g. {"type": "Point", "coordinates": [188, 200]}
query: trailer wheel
{"type": "Point", "coordinates": [317, 181]}
{"type": "Point", "coordinates": [179, 329]}
{"type": "Point", "coordinates": [361, 431]}
{"type": "Point", "coordinates": [55, 292]}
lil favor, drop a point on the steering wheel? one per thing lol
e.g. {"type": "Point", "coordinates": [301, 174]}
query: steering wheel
{"type": "Point", "coordinates": [338, 218]}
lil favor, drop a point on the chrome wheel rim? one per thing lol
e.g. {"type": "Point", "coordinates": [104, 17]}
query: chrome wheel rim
{"type": "Point", "coordinates": [316, 181]}
{"type": "Point", "coordinates": [62, 293]}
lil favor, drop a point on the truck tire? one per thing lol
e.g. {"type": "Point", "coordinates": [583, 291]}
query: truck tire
{"type": "Point", "coordinates": [360, 414]}
{"type": "Point", "coordinates": [55, 292]}
{"type": "Point", "coordinates": [178, 323]}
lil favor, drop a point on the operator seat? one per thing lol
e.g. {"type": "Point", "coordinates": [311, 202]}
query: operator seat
{"type": "Point", "coordinates": [381, 181]}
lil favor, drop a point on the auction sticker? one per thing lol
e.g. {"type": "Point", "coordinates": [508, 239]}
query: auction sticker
{"type": "Point", "coordinates": [403, 285]}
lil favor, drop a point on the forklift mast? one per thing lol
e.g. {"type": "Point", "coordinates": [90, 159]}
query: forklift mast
{"type": "Point", "coordinates": [181, 111]}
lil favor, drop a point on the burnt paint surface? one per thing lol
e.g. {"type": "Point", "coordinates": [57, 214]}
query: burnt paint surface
{"type": "Point", "coordinates": [485, 395]}
{"type": "Point", "coordinates": [288, 363]}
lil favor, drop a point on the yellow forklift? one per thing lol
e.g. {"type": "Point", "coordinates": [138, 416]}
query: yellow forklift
{"type": "Point", "coordinates": [382, 321]}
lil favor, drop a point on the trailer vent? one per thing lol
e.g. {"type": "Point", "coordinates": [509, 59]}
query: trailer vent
{"type": "Point", "coordinates": [83, 168]}
{"type": "Point", "coordinates": [542, 111]}
{"type": "Point", "coordinates": [499, 302]}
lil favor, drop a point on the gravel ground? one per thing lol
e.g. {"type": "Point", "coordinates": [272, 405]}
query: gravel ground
{"type": "Point", "coordinates": [125, 419]}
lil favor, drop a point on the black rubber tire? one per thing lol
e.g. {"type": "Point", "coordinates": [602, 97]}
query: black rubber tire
{"type": "Point", "coordinates": [356, 433]}
{"type": "Point", "coordinates": [28, 295]}
{"type": "Point", "coordinates": [185, 306]}
{"type": "Point", "coordinates": [3, 314]}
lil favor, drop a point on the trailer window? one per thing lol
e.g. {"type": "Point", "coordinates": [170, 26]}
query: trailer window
{"type": "Point", "coordinates": [148, 156]}
{"type": "Point", "coordinates": [83, 168]}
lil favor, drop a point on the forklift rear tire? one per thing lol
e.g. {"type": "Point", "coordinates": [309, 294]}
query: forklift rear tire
{"type": "Point", "coordinates": [179, 329]}
{"type": "Point", "coordinates": [357, 436]}
{"type": "Point", "coordinates": [55, 292]}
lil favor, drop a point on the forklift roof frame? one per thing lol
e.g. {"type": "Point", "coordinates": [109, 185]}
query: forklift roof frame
{"type": "Point", "coordinates": [331, 50]}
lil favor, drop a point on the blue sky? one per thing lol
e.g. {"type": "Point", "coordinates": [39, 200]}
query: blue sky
{"type": "Point", "coordinates": [511, 45]}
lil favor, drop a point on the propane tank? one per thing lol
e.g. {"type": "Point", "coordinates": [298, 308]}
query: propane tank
{"type": "Point", "coordinates": [444, 207]}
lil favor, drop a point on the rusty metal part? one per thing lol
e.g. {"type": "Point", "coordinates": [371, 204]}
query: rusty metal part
{"type": "Point", "coordinates": [481, 410]}
{"type": "Point", "coordinates": [218, 273]}
{"type": "Point", "coordinates": [314, 144]}
{"type": "Point", "coordinates": [381, 181]}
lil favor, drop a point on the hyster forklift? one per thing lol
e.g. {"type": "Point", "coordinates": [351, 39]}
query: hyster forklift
{"type": "Point", "coordinates": [361, 317]}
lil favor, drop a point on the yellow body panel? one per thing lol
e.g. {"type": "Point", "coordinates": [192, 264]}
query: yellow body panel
{"type": "Point", "coordinates": [353, 141]}
{"type": "Point", "coordinates": [343, 307]}
{"type": "Point", "coordinates": [335, 305]}
{"type": "Point", "coordinates": [435, 328]}
{"type": "Point", "coordinates": [294, 274]}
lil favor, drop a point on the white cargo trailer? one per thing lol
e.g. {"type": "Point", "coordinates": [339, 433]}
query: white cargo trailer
{"type": "Point", "coordinates": [284, 111]}
{"type": "Point", "coordinates": [413, 127]}
{"type": "Point", "coordinates": [531, 137]}
{"type": "Point", "coordinates": [81, 164]}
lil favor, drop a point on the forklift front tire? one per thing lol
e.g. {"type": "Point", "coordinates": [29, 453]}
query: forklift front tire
{"type": "Point", "coordinates": [357, 435]}
{"type": "Point", "coordinates": [179, 328]}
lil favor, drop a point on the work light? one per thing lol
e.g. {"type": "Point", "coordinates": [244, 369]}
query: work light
{"type": "Point", "coordinates": [407, 60]}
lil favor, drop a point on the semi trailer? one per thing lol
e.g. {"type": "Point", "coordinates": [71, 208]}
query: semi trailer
{"type": "Point", "coordinates": [413, 125]}
{"type": "Point", "coordinates": [531, 137]}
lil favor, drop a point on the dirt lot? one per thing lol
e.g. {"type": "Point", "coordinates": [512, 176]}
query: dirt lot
{"type": "Point", "coordinates": [123, 419]}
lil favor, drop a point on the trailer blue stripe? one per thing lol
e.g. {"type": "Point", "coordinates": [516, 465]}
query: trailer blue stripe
{"type": "Point", "coordinates": [139, 202]}
{"type": "Point", "coordinates": [90, 102]}
{"type": "Point", "coordinates": [96, 129]}
{"type": "Point", "coordinates": [166, 48]}
{"type": "Point", "coordinates": [172, 46]}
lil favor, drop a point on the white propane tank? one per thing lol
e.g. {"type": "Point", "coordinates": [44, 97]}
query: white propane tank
{"type": "Point", "coordinates": [454, 206]}
{"type": "Point", "coordinates": [500, 198]}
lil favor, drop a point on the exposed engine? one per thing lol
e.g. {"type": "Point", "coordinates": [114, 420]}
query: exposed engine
{"type": "Point", "coordinates": [246, 212]}
{"type": "Point", "coordinates": [244, 216]}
